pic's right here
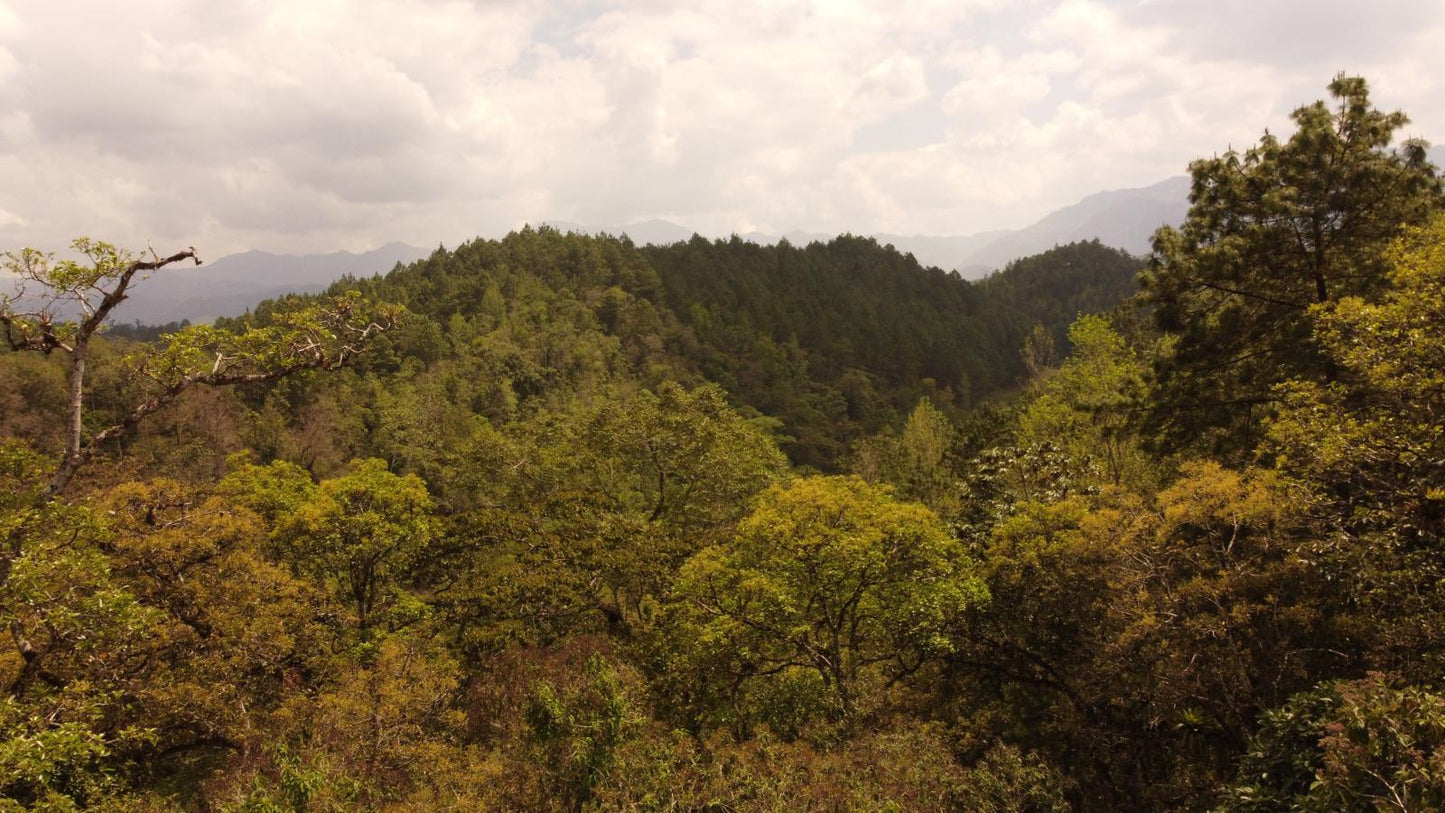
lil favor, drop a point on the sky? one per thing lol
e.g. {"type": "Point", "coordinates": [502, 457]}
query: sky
{"type": "Point", "coordinates": [321, 125]}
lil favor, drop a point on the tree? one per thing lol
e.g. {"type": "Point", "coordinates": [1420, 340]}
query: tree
{"type": "Point", "coordinates": [602, 505]}
{"type": "Point", "coordinates": [684, 458]}
{"type": "Point", "coordinates": [919, 462]}
{"type": "Point", "coordinates": [1085, 406]}
{"type": "Point", "coordinates": [1373, 437]}
{"type": "Point", "coordinates": [79, 638]}
{"type": "Point", "coordinates": [1371, 448]}
{"type": "Point", "coordinates": [321, 335]}
{"type": "Point", "coordinates": [1039, 352]}
{"type": "Point", "coordinates": [830, 588]}
{"type": "Point", "coordinates": [1364, 745]}
{"type": "Point", "coordinates": [150, 634]}
{"type": "Point", "coordinates": [1270, 232]}
{"type": "Point", "coordinates": [384, 734]}
{"type": "Point", "coordinates": [575, 731]}
{"type": "Point", "coordinates": [361, 535]}
{"type": "Point", "coordinates": [1140, 638]}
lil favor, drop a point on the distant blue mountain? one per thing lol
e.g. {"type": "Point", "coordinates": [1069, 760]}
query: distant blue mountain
{"type": "Point", "coordinates": [648, 232]}
{"type": "Point", "coordinates": [233, 284]}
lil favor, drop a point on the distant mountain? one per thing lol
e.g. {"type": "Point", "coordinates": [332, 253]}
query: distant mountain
{"type": "Point", "coordinates": [952, 253]}
{"type": "Point", "coordinates": [797, 238]}
{"type": "Point", "coordinates": [231, 285]}
{"type": "Point", "coordinates": [1121, 218]}
{"type": "Point", "coordinates": [652, 232]}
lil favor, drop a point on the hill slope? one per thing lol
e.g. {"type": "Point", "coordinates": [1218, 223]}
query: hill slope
{"type": "Point", "coordinates": [834, 340]}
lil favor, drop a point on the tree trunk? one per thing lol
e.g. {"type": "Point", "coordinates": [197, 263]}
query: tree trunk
{"type": "Point", "coordinates": [74, 425]}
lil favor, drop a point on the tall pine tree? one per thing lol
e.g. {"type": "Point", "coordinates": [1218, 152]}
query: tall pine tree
{"type": "Point", "coordinates": [1284, 226]}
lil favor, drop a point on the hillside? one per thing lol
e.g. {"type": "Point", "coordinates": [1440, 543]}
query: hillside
{"type": "Point", "coordinates": [834, 340]}
{"type": "Point", "coordinates": [229, 285]}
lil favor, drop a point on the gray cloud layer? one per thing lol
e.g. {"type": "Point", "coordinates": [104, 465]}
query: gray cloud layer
{"type": "Point", "coordinates": [327, 124]}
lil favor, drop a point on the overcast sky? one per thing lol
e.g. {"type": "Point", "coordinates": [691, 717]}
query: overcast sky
{"type": "Point", "coordinates": [317, 125]}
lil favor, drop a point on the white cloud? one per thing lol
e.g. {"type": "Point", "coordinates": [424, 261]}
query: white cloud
{"type": "Point", "coordinates": [348, 123]}
{"type": "Point", "coordinates": [995, 88]}
{"type": "Point", "coordinates": [896, 82]}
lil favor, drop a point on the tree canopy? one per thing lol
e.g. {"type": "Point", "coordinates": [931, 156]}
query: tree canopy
{"type": "Point", "coordinates": [720, 526]}
{"type": "Point", "coordinates": [1285, 225]}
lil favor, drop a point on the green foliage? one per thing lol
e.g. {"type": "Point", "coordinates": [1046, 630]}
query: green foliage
{"type": "Point", "coordinates": [1137, 633]}
{"type": "Point", "coordinates": [683, 457]}
{"type": "Point", "coordinates": [1286, 225]}
{"type": "Point", "coordinates": [76, 299]}
{"type": "Point", "coordinates": [1086, 406]}
{"type": "Point", "coordinates": [1363, 745]}
{"type": "Point", "coordinates": [898, 768]}
{"type": "Point", "coordinates": [362, 535]}
{"type": "Point", "coordinates": [274, 491]}
{"type": "Point", "coordinates": [59, 762]}
{"type": "Point", "coordinates": [593, 510]}
{"type": "Point", "coordinates": [837, 339]}
{"type": "Point", "coordinates": [1373, 436]}
{"type": "Point", "coordinates": [830, 590]}
{"type": "Point", "coordinates": [105, 263]}
{"type": "Point", "coordinates": [1001, 479]}
{"type": "Point", "coordinates": [576, 733]}
{"type": "Point", "coordinates": [1051, 289]}
{"type": "Point", "coordinates": [77, 634]}
{"type": "Point", "coordinates": [1371, 447]}
{"type": "Point", "coordinates": [920, 462]}
{"type": "Point", "coordinates": [833, 340]}
{"type": "Point", "coordinates": [300, 783]}
{"type": "Point", "coordinates": [32, 393]}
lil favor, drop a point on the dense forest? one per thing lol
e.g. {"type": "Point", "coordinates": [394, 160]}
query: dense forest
{"type": "Point", "coordinates": [559, 522]}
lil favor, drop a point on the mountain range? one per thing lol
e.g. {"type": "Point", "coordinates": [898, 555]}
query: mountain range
{"type": "Point", "coordinates": [1121, 218]}
{"type": "Point", "coordinates": [1124, 218]}
{"type": "Point", "coordinates": [232, 284]}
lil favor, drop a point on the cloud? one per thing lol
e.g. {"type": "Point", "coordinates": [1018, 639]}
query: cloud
{"type": "Point", "coordinates": [349, 123]}
{"type": "Point", "coordinates": [1316, 35]}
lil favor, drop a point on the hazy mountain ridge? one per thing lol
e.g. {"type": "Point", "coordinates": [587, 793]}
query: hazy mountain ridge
{"type": "Point", "coordinates": [1120, 218]}
{"type": "Point", "coordinates": [234, 283]}
{"type": "Point", "coordinates": [1124, 218]}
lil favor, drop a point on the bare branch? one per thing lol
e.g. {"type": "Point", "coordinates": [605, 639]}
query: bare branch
{"type": "Point", "coordinates": [117, 294]}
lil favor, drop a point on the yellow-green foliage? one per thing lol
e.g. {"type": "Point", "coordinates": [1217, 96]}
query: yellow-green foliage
{"type": "Point", "coordinates": [1084, 406]}
{"type": "Point", "coordinates": [830, 589]}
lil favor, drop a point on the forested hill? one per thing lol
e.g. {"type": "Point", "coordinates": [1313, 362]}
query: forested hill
{"type": "Point", "coordinates": [514, 550]}
{"type": "Point", "coordinates": [834, 339]}
{"type": "Point", "coordinates": [854, 304]}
